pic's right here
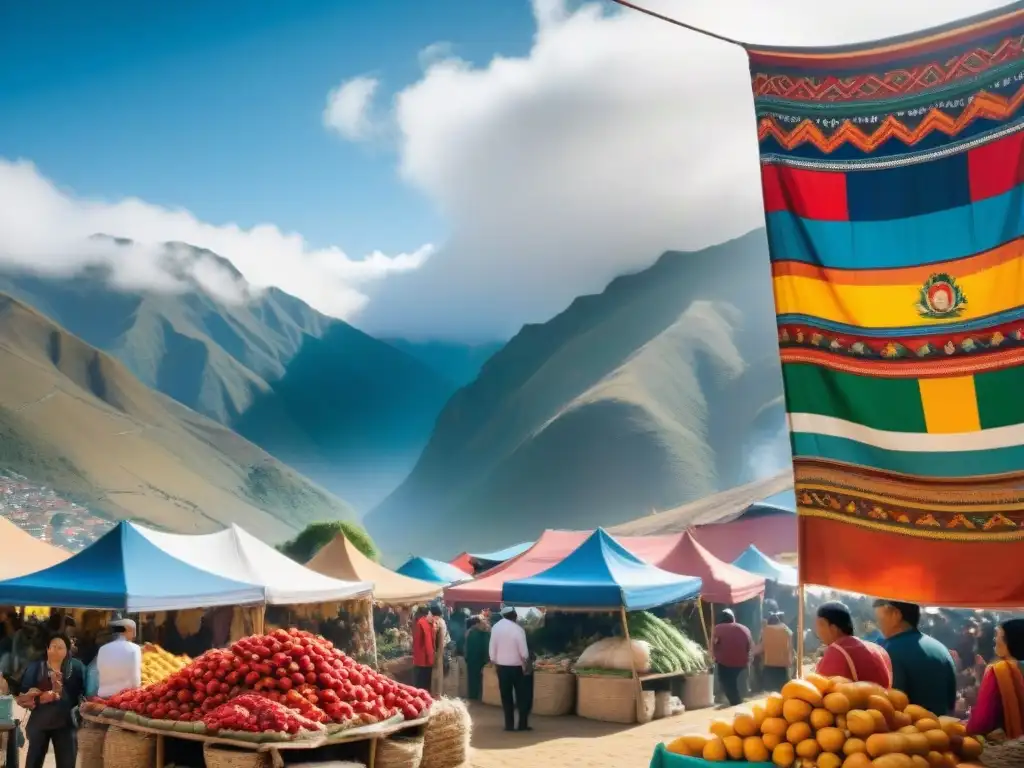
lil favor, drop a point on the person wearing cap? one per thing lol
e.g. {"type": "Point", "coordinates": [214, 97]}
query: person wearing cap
{"type": "Point", "coordinates": [510, 656]}
{"type": "Point", "coordinates": [119, 662]}
{"type": "Point", "coordinates": [922, 667]}
{"type": "Point", "coordinates": [733, 646]}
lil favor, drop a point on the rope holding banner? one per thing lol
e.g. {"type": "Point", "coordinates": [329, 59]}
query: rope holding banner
{"type": "Point", "coordinates": [683, 24]}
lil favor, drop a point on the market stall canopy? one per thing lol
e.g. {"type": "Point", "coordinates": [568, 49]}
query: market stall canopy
{"type": "Point", "coordinates": [340, 559]}
{"type": "Point", "coordinates": [490, 559]}
{"type": "Point", "coordinates": [550, 548]}
{"type": "Point", "coordinates": [125, 571]}
{"type": "Point", "coordinates": [463, 563]}
{"type": "Point", "coordinates": [236, 554]}
{"type": "Point", "coordinates": [24, 553]}
{"type": "Point", "coordinates": [753, 560]}
{"type": "Point", "coordinates": [601, 573]}
{"type": "Point", "coordinates": [435, 571]}
{"type": "Point", "coordinates": [772, 530]}
{"type": "Point", "coordinates": [782, 500]}
{"type": "Point", "coordinates": [723, 582]}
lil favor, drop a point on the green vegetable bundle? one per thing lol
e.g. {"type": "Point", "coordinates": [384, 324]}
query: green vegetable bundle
{"type": "Point", "coordinates": [671, 650]}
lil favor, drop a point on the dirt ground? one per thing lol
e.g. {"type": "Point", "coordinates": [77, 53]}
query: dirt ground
{"type": "Point", "coordinates": [574, 741]}
{"type": "Point", "coordinates": [565, 741]}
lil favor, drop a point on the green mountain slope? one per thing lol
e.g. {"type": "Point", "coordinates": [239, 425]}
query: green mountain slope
{"type": "Point", "coordinates": [349, 411]}
{"type": "Point", "coordinates": [75, 419]}
{"type": "Point", "coordinates": [643, 397]}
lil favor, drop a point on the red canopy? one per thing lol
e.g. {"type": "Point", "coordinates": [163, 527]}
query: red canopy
{"type": "Point", "coordinates": [463, 563]}
{"type": "Point", "coordinates": [774, 534]}
{"type": "Point", "coordinates": [723, 582]}
{"type": "Point", "coordinates": [677, 552]}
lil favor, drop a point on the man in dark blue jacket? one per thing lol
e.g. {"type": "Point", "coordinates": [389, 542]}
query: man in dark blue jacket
{"type": "Point", "coordinates": [922, 667]}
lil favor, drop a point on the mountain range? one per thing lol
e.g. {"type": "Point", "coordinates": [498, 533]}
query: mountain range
{"type": "Point", "coordinates": [350, 411]}
{"type": "Point", "coordinates": [188, 408]}
{"type": "Point", "coordinates": [77, 420]}
{"type": "Point", "coordinates": [657, 391]}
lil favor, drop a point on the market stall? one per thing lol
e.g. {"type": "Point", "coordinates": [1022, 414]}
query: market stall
{"type": "Point", "coordinates": [758, 563]}
{"type": "Point", "coordinates": [773, 529]}
{"type": "Point", "coordinates": [393, 594]}
{"type": "Point", "coordinates": [463, 563]}
{"type": "Point", "coordinates": [339, 559]}
{"type": "Point", "coordinates": [602, 575]}
{"type": "Point", "coordinates": [287, 690]}
{"type": "Point", "coordinates": [435, 571]}
{"type": "Point", "coordinates": [125, 571]}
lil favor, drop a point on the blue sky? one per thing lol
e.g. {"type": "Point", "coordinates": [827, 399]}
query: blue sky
{"type": "Point", "coordinates": [216, 106]}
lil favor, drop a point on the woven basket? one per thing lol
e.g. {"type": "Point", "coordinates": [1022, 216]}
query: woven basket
{"type": "Point", "coordinates": [611, 700]}
{"type": "Point", "coordinates": [553, 693]}
{"type": "Point", "coordinates": [399, 752]}
{"type": "Point", "coordinates": [90, 745]}
{"type": "Point", "coordinates": [446, 736]}
{"type": "Point", "coordinates": [491, 695]}
{"type": "Point", "coordinates": [222, 757]}
{"type": "Point", "coordinates": [127, 749]}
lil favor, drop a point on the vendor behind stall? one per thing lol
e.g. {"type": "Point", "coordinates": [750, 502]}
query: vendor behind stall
{"type": "Point", "coordinates": [119, 662]}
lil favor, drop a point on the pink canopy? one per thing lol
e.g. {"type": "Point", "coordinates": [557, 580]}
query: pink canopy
{"type": "Point", "coordinates": [667, 552]}
{"type": "Point", "coordinates": [723, 582]}
{"type": "Point", "coordinates": [773, 534]}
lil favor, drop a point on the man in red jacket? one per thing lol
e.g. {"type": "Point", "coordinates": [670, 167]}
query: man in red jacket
{"type": "Point", "coordinates": [423, 638]}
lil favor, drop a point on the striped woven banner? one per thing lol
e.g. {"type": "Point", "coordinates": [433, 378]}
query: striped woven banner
{"type": "Point", "coordinates": [893, 179]}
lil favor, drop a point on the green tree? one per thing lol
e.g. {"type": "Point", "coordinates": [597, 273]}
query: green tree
{"type": "Point", "coordinates": [303, 547]}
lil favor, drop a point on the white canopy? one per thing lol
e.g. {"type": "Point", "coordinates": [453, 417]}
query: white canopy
{"type": "Point", "coordinates": [235, 554]}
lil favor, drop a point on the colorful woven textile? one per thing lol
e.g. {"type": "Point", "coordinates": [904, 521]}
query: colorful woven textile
{"type": "Point", "coordinates": [893, 179]}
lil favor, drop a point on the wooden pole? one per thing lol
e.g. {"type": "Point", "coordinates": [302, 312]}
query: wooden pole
{"type": "Point", "coordinates": [703, 624]}
{"type": "Point", "coordinates": [637, 684]}
{"type": "Point", "coordinates": [800, 630]}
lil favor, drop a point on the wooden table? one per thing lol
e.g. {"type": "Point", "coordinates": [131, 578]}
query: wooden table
{"type": "Point", "coordinates": [370, 733]}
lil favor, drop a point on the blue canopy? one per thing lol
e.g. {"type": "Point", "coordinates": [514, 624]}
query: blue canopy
{"type": "Point", "coordinates": [753, 560]}
{"type": "Point", "coordinates": [601, 573]}
{"type": "Point", "coordinates": [435, 571]}
{"type": "Point", "coordinates": [782, 500]}
{"type": "Point", "coordinates": [502, 555]}
{"type": "Point", "coordinates": [125, 571]}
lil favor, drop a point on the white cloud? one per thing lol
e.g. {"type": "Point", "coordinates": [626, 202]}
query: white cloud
{"type": "Point", "coordinates": [618, 136]}
{"type": "Point", "coordinates": [44, 229]}
{"type": "Point", "coordinates": [349, 109]}
{"type": "Point", "coordinates": [435, 52]}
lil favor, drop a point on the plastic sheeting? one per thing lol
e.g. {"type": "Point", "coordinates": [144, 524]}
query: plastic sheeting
{"type": "Point", "coordinates": [755, 561]}
{"type": "Point", "coordinates": [501, 555]}
{"type": "Point", "coordinates": [126, 571]}
{"type": "Point", "coordinates": [436, 571]}
{"type": "Point", "coordinates": [601, 573]}
{"type": "Point", "coordinates": [235, 554]}
{"type": "Point", "coordinates": [341, 560]}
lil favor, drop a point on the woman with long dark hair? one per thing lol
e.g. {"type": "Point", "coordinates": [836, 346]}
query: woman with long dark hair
{"type": "Point", "coordinates": [1000, 703]}
{"type": "Point", "coordinates": [52, 689]}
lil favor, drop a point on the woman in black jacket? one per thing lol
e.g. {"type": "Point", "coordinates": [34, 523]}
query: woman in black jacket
{"type": "Point", "coordinates": [52, 690]}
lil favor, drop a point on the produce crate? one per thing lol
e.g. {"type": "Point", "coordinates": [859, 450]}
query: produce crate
{"type": "Point", "coordinates": [554, 693]}
{"type": "Point", "coordinates": [611, 700]}
{"type": "Point", "coordinates": [491, 695]}
{"type": "Point", "coordinates": [664, 759]}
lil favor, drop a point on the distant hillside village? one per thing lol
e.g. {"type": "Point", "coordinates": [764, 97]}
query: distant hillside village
{"type": "Point", "coordinates": [38, 510]}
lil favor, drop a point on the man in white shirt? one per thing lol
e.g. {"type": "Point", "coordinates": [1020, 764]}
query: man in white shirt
{"type": "Point", "coordinates": [511, 657]}
{"type": "Point", "coordinates": [119, 662]}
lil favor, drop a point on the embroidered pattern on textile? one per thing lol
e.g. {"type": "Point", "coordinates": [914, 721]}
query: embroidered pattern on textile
{"type": "Point", "coordinates": [902, 81]}
{"type": "Point", "coordinates": [950, 511]}
{"type": "Point", "coordinates": [910, 355]}
{"type": "Point", "coordinates": [816, 131]}
{"type": "Point", "coordinates": [899, 305]}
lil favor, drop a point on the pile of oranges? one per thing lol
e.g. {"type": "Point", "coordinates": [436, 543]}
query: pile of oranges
{"type": "Point", "coordinates": [822, 722]}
